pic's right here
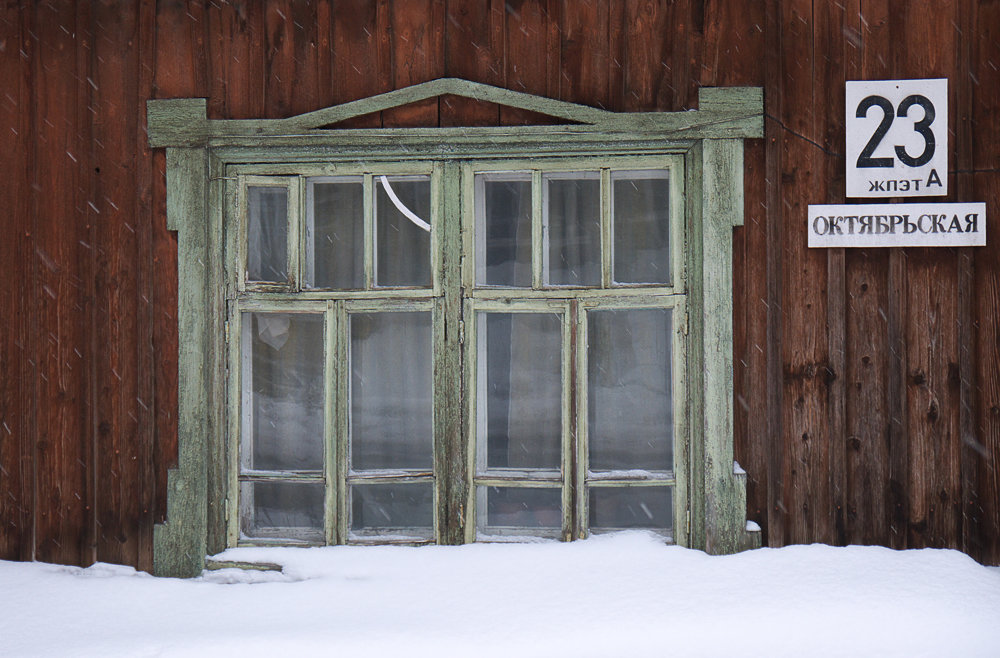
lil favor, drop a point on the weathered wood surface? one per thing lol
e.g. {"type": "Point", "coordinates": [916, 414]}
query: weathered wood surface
{"type": "Point", "coordinates": [867, 382]}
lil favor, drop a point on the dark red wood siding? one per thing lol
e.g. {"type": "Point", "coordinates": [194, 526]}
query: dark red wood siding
{"type": "Point", "coordinates": [867, 381]}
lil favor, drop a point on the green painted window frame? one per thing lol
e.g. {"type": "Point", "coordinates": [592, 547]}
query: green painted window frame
{"type": "Point", "coordinates": [209, 160]}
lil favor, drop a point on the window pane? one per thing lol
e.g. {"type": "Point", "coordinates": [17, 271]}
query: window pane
{"type": "Point", "coordinates": [520, 389]}
{"type": "Point", "coordinates": [283, 385]}
{"type": "Point", "coordinates": [336, 235]}
{"type": "Point", "coordinates": [631, 507]}
{"type": "Point", "coordinates": [641, 209]}
{"type": "Point", "coordinates": [573, 228]}
{"type": "Point", "coordinates": [273, 508]}
{"type": "Point", "coordinates": [386, 506]}
{"type": "Point", "coordinates": [504, 224]}
{"type": "Point", "coordinates": [519, 507]}
{"type": "Point", "coordinates": [403, 248]}
{"type": "Point", "coordinates": [391, 390]}
{"type": "Point", "coordinates": [267, 234]}
{"type": "Point", "coordinates": [629, 406]}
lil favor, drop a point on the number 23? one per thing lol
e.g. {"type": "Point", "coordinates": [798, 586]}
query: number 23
{"type": "Point", "coordinates": [922, 127]}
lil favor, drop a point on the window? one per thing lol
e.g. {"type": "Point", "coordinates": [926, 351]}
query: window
{"type": "Point", "coordinates": [454, 335]}
{"type": "Point", "coordinates": [571, 332]}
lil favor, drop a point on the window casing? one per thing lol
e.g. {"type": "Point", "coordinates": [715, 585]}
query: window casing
{"type": "Point", "coordinates": [213, 167]}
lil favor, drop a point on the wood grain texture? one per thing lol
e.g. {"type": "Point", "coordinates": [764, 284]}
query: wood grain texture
{"type": "Point", "coordinates": [886, 360]}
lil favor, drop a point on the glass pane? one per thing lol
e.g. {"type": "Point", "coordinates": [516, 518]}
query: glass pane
{"type": "Point", "coordinates": [283, 385]}
{"type": "Point", "coordinates": [631, 507]}
{"type": "Point", "coordinates": [391, 390]}
{"type": "Point", "coordinates": [336, 235]}
{"type": "Point", "coordinates": [573, 228]}
{"type": "Point", "coordinates": [273, 508]}
{"type": "Point", "coordinates": [641, 207]}
{"type": "Point", "coordinates": [629, 408]}
{"type": "Point", "coordinates": [403, 246]}
{"type": "Point", "coordinates": [267, 234]}
{"type": "Point", "coordinates": [518, 507]}
{"type": "Point", "coordinates": [520, 389]}
{"type": "Point", "coordinates": [384, 506]}
{"type": "Point", "coordinates": [504, 224]}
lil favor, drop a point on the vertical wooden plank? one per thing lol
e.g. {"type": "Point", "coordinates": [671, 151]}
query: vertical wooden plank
{"type": "Point", "coordinates": [838, 58]}
{"type": "Point", "coordinates": [473, 42]}
{"type": "Point", "coordinates": [874, 418]}
{"type": "Point", "coordinates": [585, 53]}
{"type": "Point", "coordinates": [774, 108]}
{"type": "Point", "coordinates": [63, 354]}
{"type": "Point", "coordinates": [647, 57]}
{"type": "Point", "coordinates": [962, 166]}
{"type": "Point", "coordinates": [146, 356]}
{"type": "Point", "coordinates": [532, 55]}
{"type": "Point", "coordinates": [803, 308]}
{"type": "Point", "coordinates": [17, 434]}
{"type": "Point", "coordinates": [283, 89]}
{"type": "Point", "coordinates": [111, 77]}
{"type": "Point", "coordinates": [362, 54]}
{"type": "Point", "coordinates": [417, 32]}
{"type": "Point", "coordinates": [932, 367]}
{"type": "Point", "coordinates": [236, 52]}
{"type": "Point", "coordinates": [982, 506]}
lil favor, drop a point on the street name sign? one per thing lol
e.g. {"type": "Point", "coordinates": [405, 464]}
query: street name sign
{"type": "Point", "coordinates": [898, 225]}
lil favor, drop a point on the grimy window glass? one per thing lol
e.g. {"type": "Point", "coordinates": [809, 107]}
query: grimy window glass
{"type": "Point", "coordinates": [267, 232]}
{"type": "Point", "coordinates": [521, 380]}
{"type": "Point", "coordinates": [641, 226]}
{"type": "Point", "coordinates": [391, 391]}
{"type": "Point", "coordinates": [572, 228]}
{"type": "Point", "coordinates": [402, 231]}
{"type": "Point", "coordinates": [503, 229]}
{"type": "Point", "coordinates": [283, 391]}
{"type": "Point", "coordinates": [335, 236]}
{"type": "Point", "coordinates": [630, 415]}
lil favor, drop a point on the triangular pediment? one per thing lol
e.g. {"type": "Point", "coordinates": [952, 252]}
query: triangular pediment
{"type": "Point", "coordinates": [476, 91]}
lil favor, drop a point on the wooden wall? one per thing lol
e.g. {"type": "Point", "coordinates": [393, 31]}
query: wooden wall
{"type": "Point", "coordinates": [868, 381]}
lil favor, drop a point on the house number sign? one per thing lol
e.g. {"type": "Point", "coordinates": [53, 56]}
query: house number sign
{"type": "Point", "coordinates": [897, 138]}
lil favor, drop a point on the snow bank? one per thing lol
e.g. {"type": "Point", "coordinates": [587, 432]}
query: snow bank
{"type": "Point", "coordinates": [626, 594]}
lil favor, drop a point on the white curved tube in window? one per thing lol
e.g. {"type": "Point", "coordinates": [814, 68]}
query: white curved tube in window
{"type": "Point", "coordinates": [402, 208]}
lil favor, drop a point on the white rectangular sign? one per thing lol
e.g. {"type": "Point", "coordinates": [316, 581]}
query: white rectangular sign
{"type": "Point", "coordinates": [898, 225]}
{"type": "Point", "coordinates": [897, 138]}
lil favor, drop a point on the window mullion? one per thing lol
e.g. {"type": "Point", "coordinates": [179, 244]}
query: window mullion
{"type": "Point", "coordinates": [580, 453]}
{"type": "Point", "coordinates": [607, 230]}
{"type": "Point", "coordinates": [338, 379]}
{"type": "Point", "coordinates": [539, 234]}
{"type": "Point", "coordinates": [330, 463]}
{"type": "Point", "coordinates": [368, 207]}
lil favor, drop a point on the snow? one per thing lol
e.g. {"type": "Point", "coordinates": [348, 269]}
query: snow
{"type": "Point", "coordinates": [612, 595]}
